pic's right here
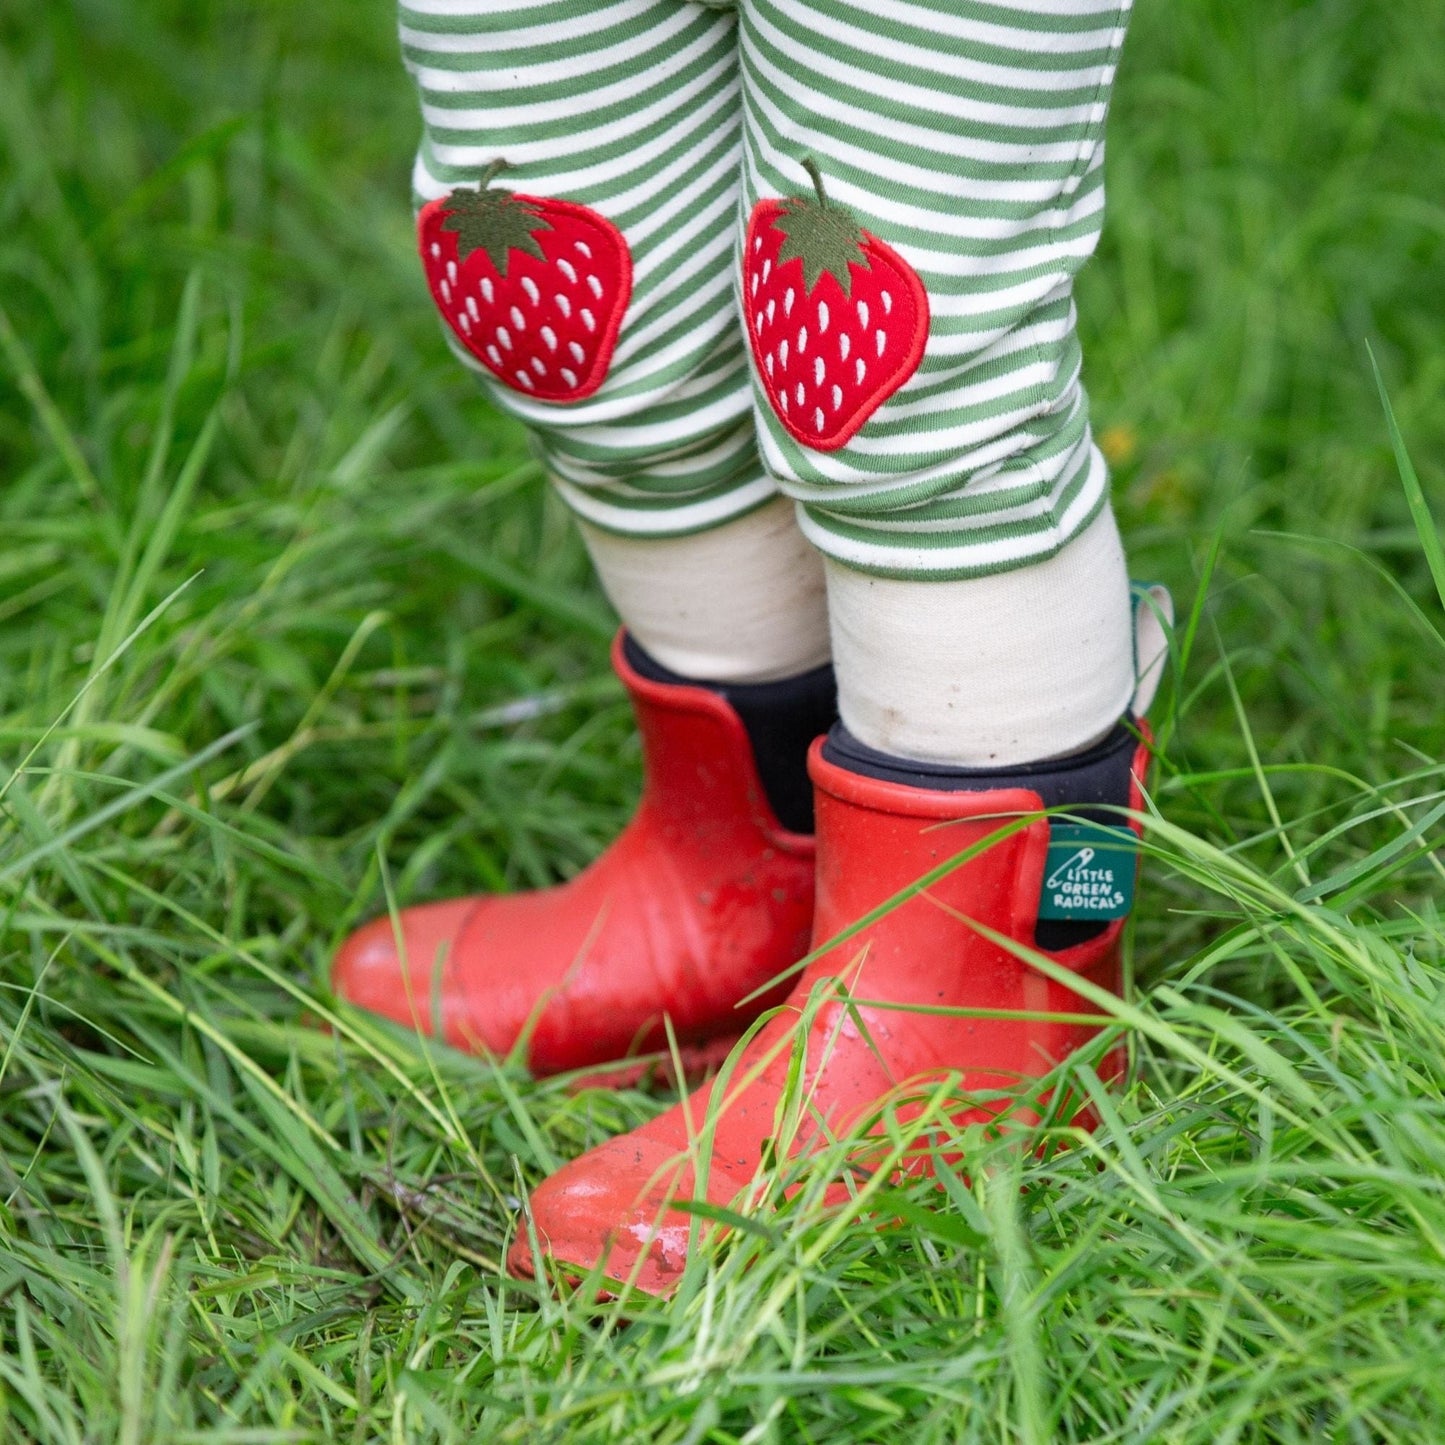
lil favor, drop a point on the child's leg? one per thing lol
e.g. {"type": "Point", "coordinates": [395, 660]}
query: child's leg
{"type": "Point", "coordinates": [631, 108]}
{"type": "Point", "coordinates": [620, 122]}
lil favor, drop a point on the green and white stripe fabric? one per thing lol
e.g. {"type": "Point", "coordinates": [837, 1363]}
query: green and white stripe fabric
{"type": "Point", "coordinates": [631, 107]}
{"type": "Point", "coordinates": [967, 135]}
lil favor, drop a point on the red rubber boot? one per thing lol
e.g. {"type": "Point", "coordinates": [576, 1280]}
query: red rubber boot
{"type": "Point", "coordinates": [875, 838]}
{"type": "Point", "coordinates": [701, 899]}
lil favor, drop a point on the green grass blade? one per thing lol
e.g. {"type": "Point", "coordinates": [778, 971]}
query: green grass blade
{"type": "Point", "coordinates": [1425, 527]}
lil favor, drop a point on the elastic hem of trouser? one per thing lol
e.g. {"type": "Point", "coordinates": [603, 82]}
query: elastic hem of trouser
{"type": "Point", "coordinates": [824, 541]}
{"type": "Point", "coordinates": [661, 523]}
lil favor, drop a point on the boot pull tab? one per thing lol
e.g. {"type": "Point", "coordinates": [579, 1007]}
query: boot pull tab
{"type": "Point", "coordinates": [1153, 627]}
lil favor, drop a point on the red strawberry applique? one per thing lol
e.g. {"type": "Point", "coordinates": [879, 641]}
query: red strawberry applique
{"type": "Point", "coordinates": [534, 288]}
{"type": "Point", "coordinates": [837, 319]}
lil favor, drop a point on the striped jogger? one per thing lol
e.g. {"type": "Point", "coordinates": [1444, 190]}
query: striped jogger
{"type": "Point", "coordinates": [965, 138]}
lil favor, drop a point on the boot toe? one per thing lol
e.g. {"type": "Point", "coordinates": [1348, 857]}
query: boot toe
{"type": "Point", "coordinates": [609, 1207]}
{"type": "Point", "coordinates": [372, 972]}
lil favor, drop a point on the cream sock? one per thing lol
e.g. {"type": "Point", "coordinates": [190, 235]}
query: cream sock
{"type": "Point", "coordinates": [744, 602]}
{"type": "Point", "coordinates": [1005, 669]}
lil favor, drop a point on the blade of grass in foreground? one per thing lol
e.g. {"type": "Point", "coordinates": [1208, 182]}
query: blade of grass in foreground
{"type": "Point", "coordinates": [1414, 494]}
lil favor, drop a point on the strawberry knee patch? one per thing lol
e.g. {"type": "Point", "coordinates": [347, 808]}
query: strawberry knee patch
{"type": "Point", "coordinates": [837, 319]}
{"type": "Point", "coordinates": [534, 288]}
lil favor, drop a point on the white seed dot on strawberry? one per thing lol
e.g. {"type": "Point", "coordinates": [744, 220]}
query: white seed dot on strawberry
{"type": "Point", "coordinates": [845, 345]}
{"type": "Point", "coordinates": [530, 287]}
{"type": "Point", "coordinates": [767, 267]}
{"type": "Point", "coordinates": [772, 310]}
{"type": "Point", "coordinates": [768, 362]}
{"type": "Point", "coordinates": [595, 287]}
{"type": "Point", "coordinates": [473, 310]}
{"type": "Point", "coordinates": [452, 272]}
{"type": "Point", "coordinates": [882, 342]}
{"type": "Point", "coordinates": [436, 251]}
{"type": "Point", "coordinates": [837, 397]}
{"type": "Point", "coordinates": [578, 355]}
{"type": "Point", "coordinates": [863, 314]}
{"type": "Point", "coordinates": [860, 371]}
{"type": "Point", "coordinates": [488, 291]}
{"type": "Point", "coordinates": [802, 339]}
{"type": "Point", "coordinates": [757, 243]}
{"type": "Point", "coordinates": [756, 279]}
{"type": "Point", "coordinates": [822, 317]}
{"type": "Point", "coordinates": [549, 337]}
{"type": "Point", "coordinates": [564, 306]}
{"type": "Point", "coordinates": [465, 322]}
{"type": "Point", "coordinates": [518, 320]}
{"type": "Point", "coordinates": [588, 319]}
{"type": "Point", "coordinates": [584, 248]}
{"type": "Point", "coordinates": [788, 301]}
{"type": "Point", "coordinates": [567, 269]}
{"type": "Point", "coordinates": [494, 356]}
{"type": "Point", "coordinates": [783, 354]}
{"type": "Point", "coordinates": [446, 290]}
{"type": "Point", "coordinates": [504, 336]}
{"type": "Point", "coordinates": [818, 418]}
{"type": "Point", "coordinates": [569, 376]}
{"type": "Point", "coordinates": [539, 366]}
{"type": "Point", "coordinates": [525, 380]}
{"type": "Point", "coordinates": [800, 393]}
{"type": "Point", "coordinates": [783, 401]}
{"type": "Point", "coordinates": [818, 371]}
{"type": "Point", "coordinates": [757, 321]}
{"type": "Point", "coordinates": [886, 297]}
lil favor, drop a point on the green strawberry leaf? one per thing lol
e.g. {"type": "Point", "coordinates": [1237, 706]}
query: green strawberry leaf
{"type": "Point", "coordinates": [821, 234]}
{"type": "Point", "coordinates": [494, 221]}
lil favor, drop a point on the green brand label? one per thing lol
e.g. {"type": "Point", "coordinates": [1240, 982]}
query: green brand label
{"type": "Point", "coordinates": [1089, 872]}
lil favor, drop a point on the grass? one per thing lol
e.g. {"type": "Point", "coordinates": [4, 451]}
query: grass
{"type": "Point", "coordinates": [288, 621]}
